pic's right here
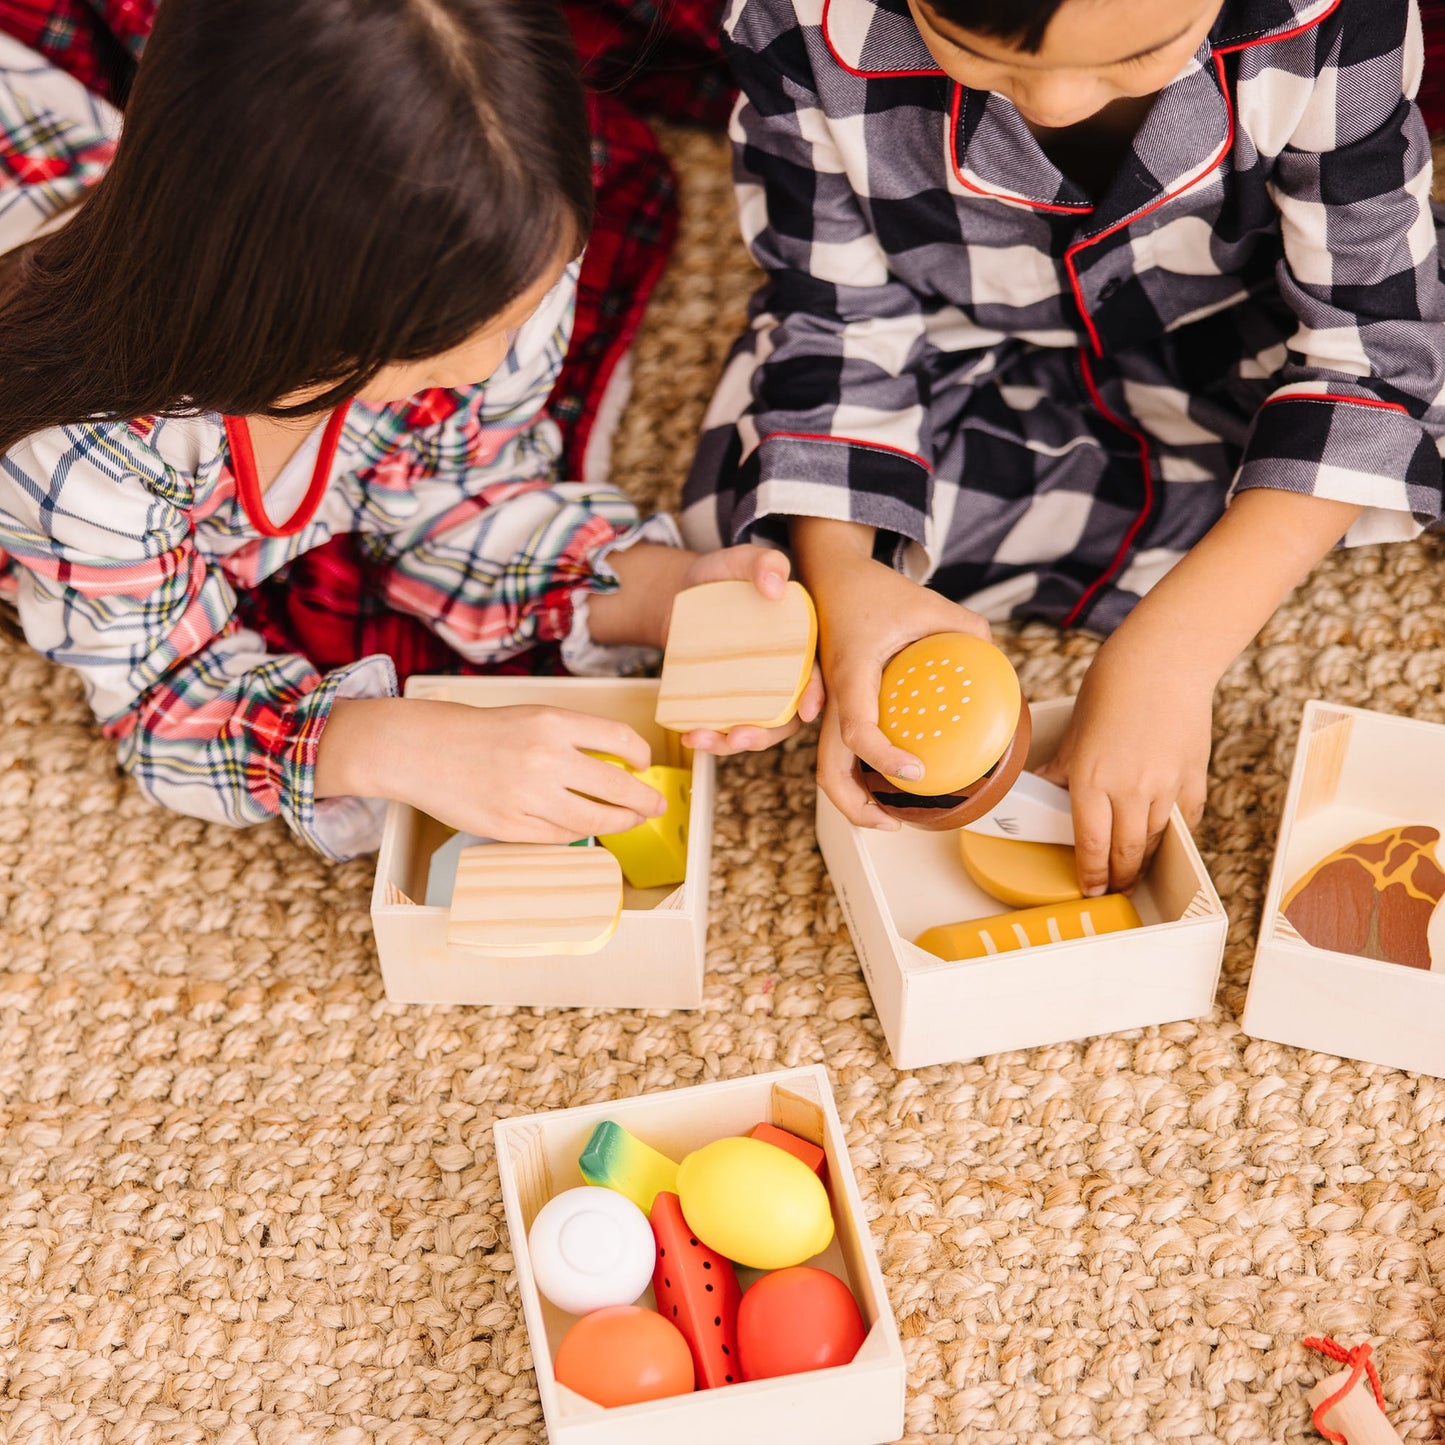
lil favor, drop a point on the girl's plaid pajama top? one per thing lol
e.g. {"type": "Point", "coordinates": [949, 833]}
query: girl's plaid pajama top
{"type": "Point", "coordinates": [1042, 399]}
{"type": "Point", "coordinates": [125, 548]}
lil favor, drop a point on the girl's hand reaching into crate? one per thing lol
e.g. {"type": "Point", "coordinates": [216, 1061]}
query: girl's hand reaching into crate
{"type": "Point", "coordinates": [516, 774]}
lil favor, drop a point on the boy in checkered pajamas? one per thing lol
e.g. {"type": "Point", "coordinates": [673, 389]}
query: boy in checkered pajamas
{"type": "Point", "coordinates": [1050, 285]}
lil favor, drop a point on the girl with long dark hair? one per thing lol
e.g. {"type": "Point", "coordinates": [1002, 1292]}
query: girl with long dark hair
{"type": "Point", "coordinates": [260, 318]}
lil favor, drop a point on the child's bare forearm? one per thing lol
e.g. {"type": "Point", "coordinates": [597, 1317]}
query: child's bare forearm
{"type": "Point", "coordinates": [1207, 609]}
{"type": "Point", "coordinates": [637, 613]}
{"type": "Point", "coordinates": [820, 542]}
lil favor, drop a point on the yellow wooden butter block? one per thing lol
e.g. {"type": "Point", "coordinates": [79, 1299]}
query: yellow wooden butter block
{"type": "Point", "coordinates": [735, 658]}
{"type": "Point", "coordinates": [1022, 875]}
{"type": "Point", "coordinates": [1029, 927]}
{"type": "Point", "coordinates": [654, 854]}
{"type": "Point", "coordinates": [518, 900]}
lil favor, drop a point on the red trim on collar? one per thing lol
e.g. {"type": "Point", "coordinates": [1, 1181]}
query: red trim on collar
{"type": "Point", "coordinates": [1279, 35]}
{"type": "Point", "coordinates": [866, 74]}
{"type": "Point", "coordinates": [1083, 208]}
{"type": "Point", "coordinates": [248, 485]}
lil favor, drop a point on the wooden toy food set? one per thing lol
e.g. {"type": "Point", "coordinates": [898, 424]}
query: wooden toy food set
{"type": "Point", "coordinates": [1351, 953]}
{"type": "Point", "coordinates": [954, 977]}
{"type": "Point", "coordinates": [694, 1266]}
{"type": "Point", "coordinates": [622, 924]}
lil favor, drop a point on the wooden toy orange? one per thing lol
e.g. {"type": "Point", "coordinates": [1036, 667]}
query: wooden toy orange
{"type": "Point", "coordinates": [953, 701]}
{"type": "Point", "coordinates": [796, 1320]}
{"type": "Point", "coordinates": [735, 658]}
{"type": "Point", "coordinates": [624, 1355]}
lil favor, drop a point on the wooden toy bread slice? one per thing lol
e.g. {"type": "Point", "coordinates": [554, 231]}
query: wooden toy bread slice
{"type": "Point", "coordinates": [1023, 875]}
{"type": "Point", "coordinates": [736, 658]}
{"type": "Point", "coordinates": [518, 900]}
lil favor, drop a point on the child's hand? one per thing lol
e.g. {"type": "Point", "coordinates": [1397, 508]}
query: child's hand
{"type": "Point", "coordinates": [1138, 744]}
{"type": "Point", "coordinates": [768, 570]}
{"type": "Point", "coordinates": [516, 774]}
{"type": "Point", "coordinates": [867, 612]}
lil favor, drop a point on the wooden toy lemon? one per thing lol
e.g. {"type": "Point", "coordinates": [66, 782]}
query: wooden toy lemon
{"type": "Point", "coordinates": [755, 1203]}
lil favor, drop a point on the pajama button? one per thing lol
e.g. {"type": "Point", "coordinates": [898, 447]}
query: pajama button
{"type": "Point", "coordinates": [1109, 288]}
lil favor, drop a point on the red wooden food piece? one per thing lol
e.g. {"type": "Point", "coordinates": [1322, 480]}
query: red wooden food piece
{"type": "Point", "coordinates": [697, 1290]}
{"type": "Point", "coordinates": [810, 1154]}
{"type": "Point", "coordinates": [798, 1319]}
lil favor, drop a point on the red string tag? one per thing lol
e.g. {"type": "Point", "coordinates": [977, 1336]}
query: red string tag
{"type": "Point", "coordinates": [1360, 1363]}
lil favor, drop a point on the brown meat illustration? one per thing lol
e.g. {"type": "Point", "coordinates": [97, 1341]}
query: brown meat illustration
{"type": "Point", "coordinates": [1373, 897]}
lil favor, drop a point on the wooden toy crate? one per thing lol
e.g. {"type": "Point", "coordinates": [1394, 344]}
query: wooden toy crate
{"type": "Point", "coordinates": [1355, 773]}
{"type": "Point", "coordinates": [655, 959]}
{"type": "Point", "coordinates": [894, 885]}
{"type": "Point", "coordinates": [856, 1404]}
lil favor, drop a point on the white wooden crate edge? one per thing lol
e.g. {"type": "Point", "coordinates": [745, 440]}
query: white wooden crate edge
{"type": "Point", "coordinates": [934, 1012]}
{"type": "Point", "coordinates": [856, 1404]}
{"type": "Point", "coordinates": [1315, 998]}
{"type": "Point", "coordinates": [656, 958]}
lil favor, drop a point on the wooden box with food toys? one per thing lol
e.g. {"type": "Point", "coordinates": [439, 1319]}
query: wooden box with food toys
{"type": "Point", "coordinates": [1351, 953]}
{"type": "Point", "coordinates": [695, 1266]}
{"type": "Point", "coordinates": [969, 922]}
{"type": "Point", "coordinates": [612, 922]}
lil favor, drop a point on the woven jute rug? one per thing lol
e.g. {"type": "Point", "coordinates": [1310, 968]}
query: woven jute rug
{"type": "Point", "coordinates": [243, 1199]}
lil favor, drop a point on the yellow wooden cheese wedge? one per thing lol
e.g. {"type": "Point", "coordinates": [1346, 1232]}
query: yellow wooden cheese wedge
{"type": "Point", "coordinates": [953, 701]}
{"type": "Point", "coordinates": [654, 854]}
{"type": "Point", "coordinates": [1029, 927]}
{"type": "Point", "coordinates": [519, 900]}
{"type": "Point", "coordinates": [736, 658]}
{"type": "Point", "coordinates": [1022, 875]}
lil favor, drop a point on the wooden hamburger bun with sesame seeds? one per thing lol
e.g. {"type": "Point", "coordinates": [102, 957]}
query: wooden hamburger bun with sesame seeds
{"type": "Point", "coordinates": [954, 702]}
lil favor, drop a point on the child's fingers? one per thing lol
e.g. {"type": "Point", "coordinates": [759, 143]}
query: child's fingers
{"type": "Point", "coordinates": [1159, 813]}
{"type": "Point", "coordinates": [580, 817]}
{"type": "Point", "coordinates": [769, 571]}
{"type": "Point", "coordinates": [810, 705]}
{"type": "Point", "coordinates": [857, 718]}
{"type": "Point", "coordinates": [1128, 842]}
{"type": "Point", "coordinates": [1093, 829]}
{"type": "Point", "coordinates": [607, 735]}
{"type": "Point", "coordinates": [838, 778]}
{"type": "Point", "coordinates": [606, 783]}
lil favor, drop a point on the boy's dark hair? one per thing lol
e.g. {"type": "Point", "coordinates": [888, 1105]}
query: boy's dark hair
{"type": "Point", "coordinates": [1022, 23]}
{"type": "Point", "coordinates": [305, 191]}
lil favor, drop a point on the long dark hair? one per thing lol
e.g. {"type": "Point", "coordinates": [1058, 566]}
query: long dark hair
{"type": "Point", "coordinates": [304, 192]}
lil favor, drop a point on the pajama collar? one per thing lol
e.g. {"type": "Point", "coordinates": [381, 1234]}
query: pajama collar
{"type": "Point", "coordinates": [993, 153]}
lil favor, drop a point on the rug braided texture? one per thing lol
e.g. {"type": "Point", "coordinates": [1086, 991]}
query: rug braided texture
{"type": "Point", "coordinates": [244, 1199]}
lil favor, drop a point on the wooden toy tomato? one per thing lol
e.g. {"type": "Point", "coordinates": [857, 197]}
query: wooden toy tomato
{"type": "Point", "coordinates": [796, 1320]}
{"type": "Point", "coordinates": [624, 1355]}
